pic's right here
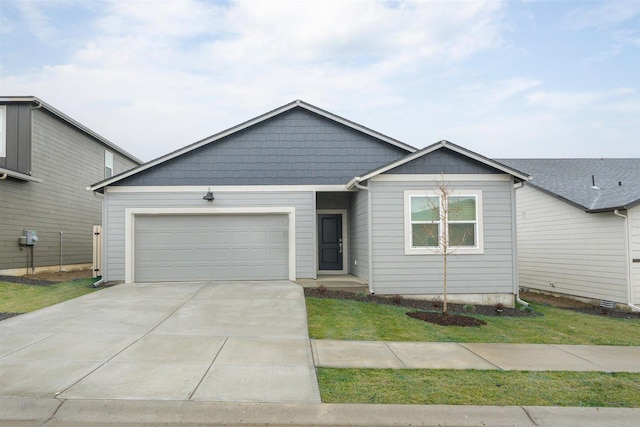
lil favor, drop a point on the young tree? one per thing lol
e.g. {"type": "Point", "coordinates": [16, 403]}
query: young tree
{"type": "Point", "coordinates": [448, 224]}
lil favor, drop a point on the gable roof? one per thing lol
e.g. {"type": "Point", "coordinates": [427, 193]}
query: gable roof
{"type": "Point", "coordinates": [257, 120]}
{"type": "Point", "coordinates": [617, 181]}
{"type": "Point", "coordinates": [437, 146]}
{"type": "Point", "coordinates": [82, 128]}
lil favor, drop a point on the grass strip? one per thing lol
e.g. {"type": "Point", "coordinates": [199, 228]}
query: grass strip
{"type": "Point", "coordinates": [496, 388]}
{"type": "Point", "coordinates": [21, 298]}
{"type": "Point", "coordinates": [365, 321]}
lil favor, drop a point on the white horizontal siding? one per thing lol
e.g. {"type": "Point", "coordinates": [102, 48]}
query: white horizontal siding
{"type": "Point", "coordinates": [634, 220]}
{"type": "Point", "coordinates": [116, 203]}
{"type": "Point", "coordinates": [395, 272]}
{"type": "Point", "coordinates": [563, 249]}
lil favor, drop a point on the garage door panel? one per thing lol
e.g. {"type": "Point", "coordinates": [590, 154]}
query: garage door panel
{"type": "Point", "coordinates": [211, 247]}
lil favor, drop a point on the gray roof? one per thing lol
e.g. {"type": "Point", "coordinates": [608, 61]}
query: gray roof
{"type": "Point", "coordinates": [617, 181]}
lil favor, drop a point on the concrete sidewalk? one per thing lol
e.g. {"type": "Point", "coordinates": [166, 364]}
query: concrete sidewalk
{"type": "Point", "coordinates": [507, 357]}
{"type": "Point", "coordinates": [80, 412]}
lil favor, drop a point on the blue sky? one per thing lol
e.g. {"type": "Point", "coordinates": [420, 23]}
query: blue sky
{"type": "Point", "coordinates": [505, 79]}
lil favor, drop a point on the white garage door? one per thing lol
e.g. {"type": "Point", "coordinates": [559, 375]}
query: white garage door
{"type": "Point", "coordinates": [173, 248]}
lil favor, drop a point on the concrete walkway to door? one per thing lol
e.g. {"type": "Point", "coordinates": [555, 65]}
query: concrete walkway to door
{"type": "Point", "coordinates": [216, 342]}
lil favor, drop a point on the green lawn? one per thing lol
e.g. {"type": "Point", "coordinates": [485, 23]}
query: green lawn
{"type": "Point", "coordinates": [19, 298]}
{"type": "Point", "coordinates": [452, 387]}
{"type": "Point", "coordinates": [365, 321]}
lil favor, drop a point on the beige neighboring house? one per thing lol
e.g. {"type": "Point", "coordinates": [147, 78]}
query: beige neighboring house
{"type": "Point", "coordinates": [47, 161]}
{"type": "Point", "coordinates": [579, 228]}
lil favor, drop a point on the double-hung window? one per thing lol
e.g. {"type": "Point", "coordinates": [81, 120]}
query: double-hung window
{"type": "Point", "coordinates": [433, 222]}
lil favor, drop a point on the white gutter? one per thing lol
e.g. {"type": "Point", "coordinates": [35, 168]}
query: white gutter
{"type": "Point", "coordinates": [514, 245]}
{"type": "Point", "coordinates": [356, 183]}
{"type": "Point", "coordinates": [627, 238]}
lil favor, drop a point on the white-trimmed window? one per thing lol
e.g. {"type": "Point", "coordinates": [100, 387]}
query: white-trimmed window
{"type": "Point", "coordinates": [108, 164]}
{"type": "Point", "coordinates": [3, 131]}
{"type": "Point", "coordinates": [428, 218]}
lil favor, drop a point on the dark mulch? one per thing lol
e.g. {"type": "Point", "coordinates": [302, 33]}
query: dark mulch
{"type": "Point", "coordinates": [8, 315]}
{"type": "Point", "coordinates": [418, 304]}
{"type": "Point", "coordinates": [606, 312]}
{"type": "Point", "coordinates": [446, 319]}
{"type": "Point", "coordinates": [25, 280]}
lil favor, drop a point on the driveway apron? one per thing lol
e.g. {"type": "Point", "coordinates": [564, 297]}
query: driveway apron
{"type": "Point", "coordinates": [208, 341]}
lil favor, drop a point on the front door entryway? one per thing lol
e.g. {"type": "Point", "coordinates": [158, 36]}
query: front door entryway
{"type": "Point", "coordinates": [330, 241]}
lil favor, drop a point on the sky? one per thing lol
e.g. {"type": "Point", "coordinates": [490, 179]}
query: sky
{"type": "Point", "coordinates": [516, 79]}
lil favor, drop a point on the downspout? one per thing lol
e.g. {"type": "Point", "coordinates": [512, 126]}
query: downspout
{"type": "Point", "coordinates": [98, 283]}
{"type": "Point", "coordinates": [369, 233]}
{"type": "Point", "coordinates": [3, 176]}
{"type": "Point", "coordinates": [627, 238]}
{"type": "Point", "coordinates": [514, 234]}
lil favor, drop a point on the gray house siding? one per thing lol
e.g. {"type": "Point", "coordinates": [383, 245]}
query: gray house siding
{"type": "Point", "coordinates": [562, 249]}
{"type": "Point", "coordinates": [443, 161]}
{"type": "Point", "coordinates": [18, 139]}
{"type": "Point", "coordinates": [359, 235]}
{"type": "Point", "coordinates": [394, 272]}
{"type": "Point", "coordinates": [116, 203]}
{"type": "Point", "coordinates": [297, 146]}
{"type": "Point", "coordinates": [67, 160]}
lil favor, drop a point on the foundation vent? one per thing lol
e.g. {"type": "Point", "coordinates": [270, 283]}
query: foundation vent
{"type": "Point", "coordinates": [607, 304]}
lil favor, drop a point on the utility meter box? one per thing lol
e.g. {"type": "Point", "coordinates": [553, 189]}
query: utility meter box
{"type": "Point", "coordinates": [30, 237]}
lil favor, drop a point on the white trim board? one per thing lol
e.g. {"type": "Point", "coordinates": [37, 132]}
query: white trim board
{"type": "Point", "coordinates": [227, 189]}
{"type": "Point", "coordinates": [129, 229]}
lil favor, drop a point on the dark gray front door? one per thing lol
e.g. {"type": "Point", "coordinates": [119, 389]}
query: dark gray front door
{"type": "Point", "coordinates": [330, 241]}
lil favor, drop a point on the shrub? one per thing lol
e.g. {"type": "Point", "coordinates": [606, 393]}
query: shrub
{"type": "Point", "coordinates": [322, 289]}
{"type": "Point", "coordinates": [469, 308]}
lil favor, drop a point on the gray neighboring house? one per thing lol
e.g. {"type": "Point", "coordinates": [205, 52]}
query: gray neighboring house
{"type": "Point", "coordinates": [579, 228]}
{"type": "Point", "coordinates": [300, 192]}
{"type": "Point", "coordinates": [47, 161]}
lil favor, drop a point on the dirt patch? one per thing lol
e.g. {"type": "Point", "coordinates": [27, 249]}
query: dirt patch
{"type": "Point", "coordinates": [63, 276]}
{"type": "Point", "coordinates": [552, 300]}
{"type": "Point", "coordinates": [579, 306]}
{"type": "Point", "coordinates": [419, 304]}
{"type": "Point", "coordinates": [48, 278]}
{"type": "Point", "coordinates": [446, 319]}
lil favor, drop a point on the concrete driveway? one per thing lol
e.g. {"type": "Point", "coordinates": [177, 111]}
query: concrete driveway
{"type": "Point", "coordinates": [229, 342]}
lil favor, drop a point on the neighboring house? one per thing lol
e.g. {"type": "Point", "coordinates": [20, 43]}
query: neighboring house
{"type": "Point", "coordinates": [47, 161]}
{"type": "Point", "coordinates": [299, 192]}
{"type": "Point", "coordinates": [579, 228]}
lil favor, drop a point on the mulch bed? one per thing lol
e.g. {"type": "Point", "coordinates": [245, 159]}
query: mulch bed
{"type": "Point", "coordinates": [4, 316]}
{"type": "Point", "coordinates": [419, 304]}
{"type": "Point", "coordinates": [446, 319]}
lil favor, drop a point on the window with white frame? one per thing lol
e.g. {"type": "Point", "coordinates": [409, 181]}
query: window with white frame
{"type": "Point", "coordinates": [108, 164]}
{"type": "Point", "coordinates": [3, 131]}
{"type": "Point", "coordinates": [430, 220]}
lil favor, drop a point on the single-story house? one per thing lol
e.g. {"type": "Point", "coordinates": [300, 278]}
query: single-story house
{"type": "Point", "coordinates": [47, 160]}
{"type": "Point", "coordinates": [299, 192]}
{"type": "Point", "coordinates": [579, 228]}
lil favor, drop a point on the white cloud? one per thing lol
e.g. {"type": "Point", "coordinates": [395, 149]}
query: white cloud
{"type": "Point", "coordinates": [576, 101]}
{"type": "Point", "coordinates": [604, 14]}
{"type": "Point", "coordinates": [169, 72]}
